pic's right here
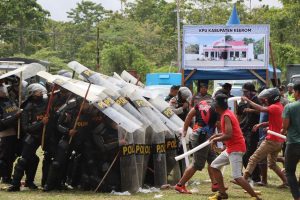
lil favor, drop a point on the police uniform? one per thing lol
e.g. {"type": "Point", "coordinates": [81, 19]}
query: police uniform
{"type": "Point", "coordinates": [32, 125]}
{"type": "Point", "coordinates": [53, 135]}
{"type": "Point", "coordinates": [106, 141]}
{"type": "Point", "coordinates": [65, 123]}
{"type": "Point", "coordinates": [8, 120]}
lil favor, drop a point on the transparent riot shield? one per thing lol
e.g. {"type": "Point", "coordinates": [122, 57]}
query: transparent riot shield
{"type": "Point", "coordinates": [128, 167]}
{"type": "Point", "coordinates": [158, 150]}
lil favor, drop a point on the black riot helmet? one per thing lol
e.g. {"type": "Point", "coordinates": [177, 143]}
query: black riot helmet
{"type": "Point", "coordinates": [271, 94]}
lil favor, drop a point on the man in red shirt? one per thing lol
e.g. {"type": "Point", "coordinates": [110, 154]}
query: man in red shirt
{"type": "Point", "coordinates": [272, 145]}
{"type": "Point", "coordinates": [232, 136]}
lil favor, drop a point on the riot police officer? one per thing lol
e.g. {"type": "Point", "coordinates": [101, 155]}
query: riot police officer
{"type": "Point", "coordinates": [32, 121]}
{"type": "Point", "coordinates": [53, 135]}
{"type": "Point", "coordinates": [65, 123]}
{"type": "Point", "coordinates": [9, 114]}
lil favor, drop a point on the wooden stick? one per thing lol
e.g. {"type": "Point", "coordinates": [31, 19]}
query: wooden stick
{"type": "Point", "coordinates": [105, 175]}
{"type": "Point", "coordinates": [80, 110]}
{"type": "Point", "coordinates": [274, 65]}
{"type": "Point", "coordinates": [20, 102]}
{"type": "Point", "coordinates": [47, 115]}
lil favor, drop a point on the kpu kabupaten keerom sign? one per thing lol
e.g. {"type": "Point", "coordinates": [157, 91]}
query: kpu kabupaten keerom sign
{"type": "Point", "coordinates": [226, 47]}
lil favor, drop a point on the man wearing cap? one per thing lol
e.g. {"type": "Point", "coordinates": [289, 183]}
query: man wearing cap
{"type": "Point", "coordinates": [232, 136]}
{"type": "Point", "coordinates": [226, 89]}
{"type": "Point", "coordinates": [248, 118]}
{"type": "Point", "coordinates": [290, 93]}
{"type": "Point", "coordinates": [202, 94]}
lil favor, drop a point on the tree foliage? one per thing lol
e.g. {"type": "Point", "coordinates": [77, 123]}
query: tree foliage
{"type": "Point", "coordinates": [142, 36]}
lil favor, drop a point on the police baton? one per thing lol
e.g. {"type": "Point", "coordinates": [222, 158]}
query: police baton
{"type": "Point", "coordinates": [47, 115]}
{"type": "Point", "coordinates": [80, 110]}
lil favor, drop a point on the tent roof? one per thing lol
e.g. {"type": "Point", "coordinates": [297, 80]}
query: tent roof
{"type": "Point", "coordinates": [234, 17]}
{"type": "Point", "coordinates": [228, 74]}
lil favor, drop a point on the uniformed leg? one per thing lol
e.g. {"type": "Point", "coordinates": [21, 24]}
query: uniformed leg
{"type": "Point", "coordinates": [55, 170]}
{"type": "Point", "coordinates": [31, 172]}
{"type": "Point", "coordinates": [31, 144]}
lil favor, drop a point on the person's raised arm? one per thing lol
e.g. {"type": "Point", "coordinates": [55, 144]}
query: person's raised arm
{"type": "Point", "coordinates": [255, 106]}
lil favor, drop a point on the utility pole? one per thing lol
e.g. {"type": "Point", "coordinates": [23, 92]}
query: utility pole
{"type": "Point", "coordinates": [178, 36]}
{"type": "Point", "coordinates": [98, 51]}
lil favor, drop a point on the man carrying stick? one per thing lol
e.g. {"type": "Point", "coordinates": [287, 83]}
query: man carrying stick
{"type": "Point", "coordinates": [232, 136]}
{"type": "Point", "coordinates": [206, 118]}
{"type": "Point", "coordinates": [291, 125]}
{"type": "Point", "coordinates": [272, 145]}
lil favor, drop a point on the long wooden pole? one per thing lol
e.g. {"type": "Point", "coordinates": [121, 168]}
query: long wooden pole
{"type": "Point", "coordinates": [274, 65]}
{"type": "Point", "coordinates": [80, 110]}
{"type": "Point", "coordinates": [47, 115]}
{"type": "Point", "coordinates": [107, 172]}
{"type": "Point", "coordinates": [20, 103]}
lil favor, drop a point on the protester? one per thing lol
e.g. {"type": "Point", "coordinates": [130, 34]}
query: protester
{"type": "Point", "coordinates": [272, 145]}
{"type": "Point", "coordinates": [201, 95]}
{"type": "Point", "coordinates": [263, 165]}
{"type": "Point", "coordinates": [283, 99]}
{"type": "Point", "coordinates": [206, 119]}
{"type": "Point", "coordinates": [290, 93]}
{"type": "Point", "coordinates": [226, 89]}
{"type": "Point", "coordinates": [248, 118]}
{"type": "Point", "coordinates": [232, 136]}
{"type": "Point", "coordinates": [173, 92]}
{"type": "Point", "coordinates": [181, 102]}
{"type": "Point", "coordinates": [291, 126]}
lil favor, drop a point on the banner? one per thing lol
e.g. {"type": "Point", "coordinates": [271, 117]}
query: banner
{"type": "Point", "coordinates": [226, 47]}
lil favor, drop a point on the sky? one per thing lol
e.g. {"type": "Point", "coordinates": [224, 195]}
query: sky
{"type": "Point", "coordinates": [59, 8]}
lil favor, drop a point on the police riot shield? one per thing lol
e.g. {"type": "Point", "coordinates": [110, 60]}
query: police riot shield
{"type": "Point", "coordinates": [122, 105]}
{"type": "Point", "coordinates": [165, 109]}
{"type": "Point", "coordinates": [128, 167]}
{"type": "Point", "coordinates": [114, 115]}
{"type": "Point", "coordinates": [158, 150]}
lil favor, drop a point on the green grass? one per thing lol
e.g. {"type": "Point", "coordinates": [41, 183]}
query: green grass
{"type": "Point", "coordinates": [235, 192]}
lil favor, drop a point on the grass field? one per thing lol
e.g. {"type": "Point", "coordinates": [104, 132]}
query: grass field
{"type": "Point", "coordinates": [268, 193]}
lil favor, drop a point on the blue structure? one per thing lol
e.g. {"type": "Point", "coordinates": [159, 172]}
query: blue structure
{"type": "Point", "coordinates": [228, 74]}
{"type": "Point", "coordinates": [234, 17]}
{"type": "Point", "coordinates": [163, 79]}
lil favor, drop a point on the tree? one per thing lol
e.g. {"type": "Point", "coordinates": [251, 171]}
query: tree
{"type": "Point", "coordinates": [23, 24]}
{"type": "Point", "coordinates": [228, 38]}
{"type": "Point", "coordinates": [116, 58]}
{"type": "Point", "coordinates": [87, 13]}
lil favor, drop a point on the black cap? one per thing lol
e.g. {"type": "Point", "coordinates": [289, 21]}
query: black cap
{"type": "Point", "coordinates": [226, 85]}
{"type": "Point", "coordinates": [249, 86]}
{"type": "Point", "coordinates": [221, 100]}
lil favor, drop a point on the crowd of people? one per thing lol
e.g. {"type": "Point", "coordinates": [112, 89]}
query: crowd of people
{"type": "Point", "coordinates": [73, 158]}
{"type": "Point", "coordinates": [79, 156]}
{"type": "Point", "coordinates": [244, 135]}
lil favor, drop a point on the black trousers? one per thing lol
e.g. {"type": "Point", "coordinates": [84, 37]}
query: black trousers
{"type": "Point", "coordinates": [292, 157]}
{"type": "Point", "coordinates": [7, 155]}
{"type": "Point", "coordinates": [28, 161]}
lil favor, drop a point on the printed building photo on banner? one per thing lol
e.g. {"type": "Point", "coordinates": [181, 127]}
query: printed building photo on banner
{"type": "Point", "coordinates": [239, 47]}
